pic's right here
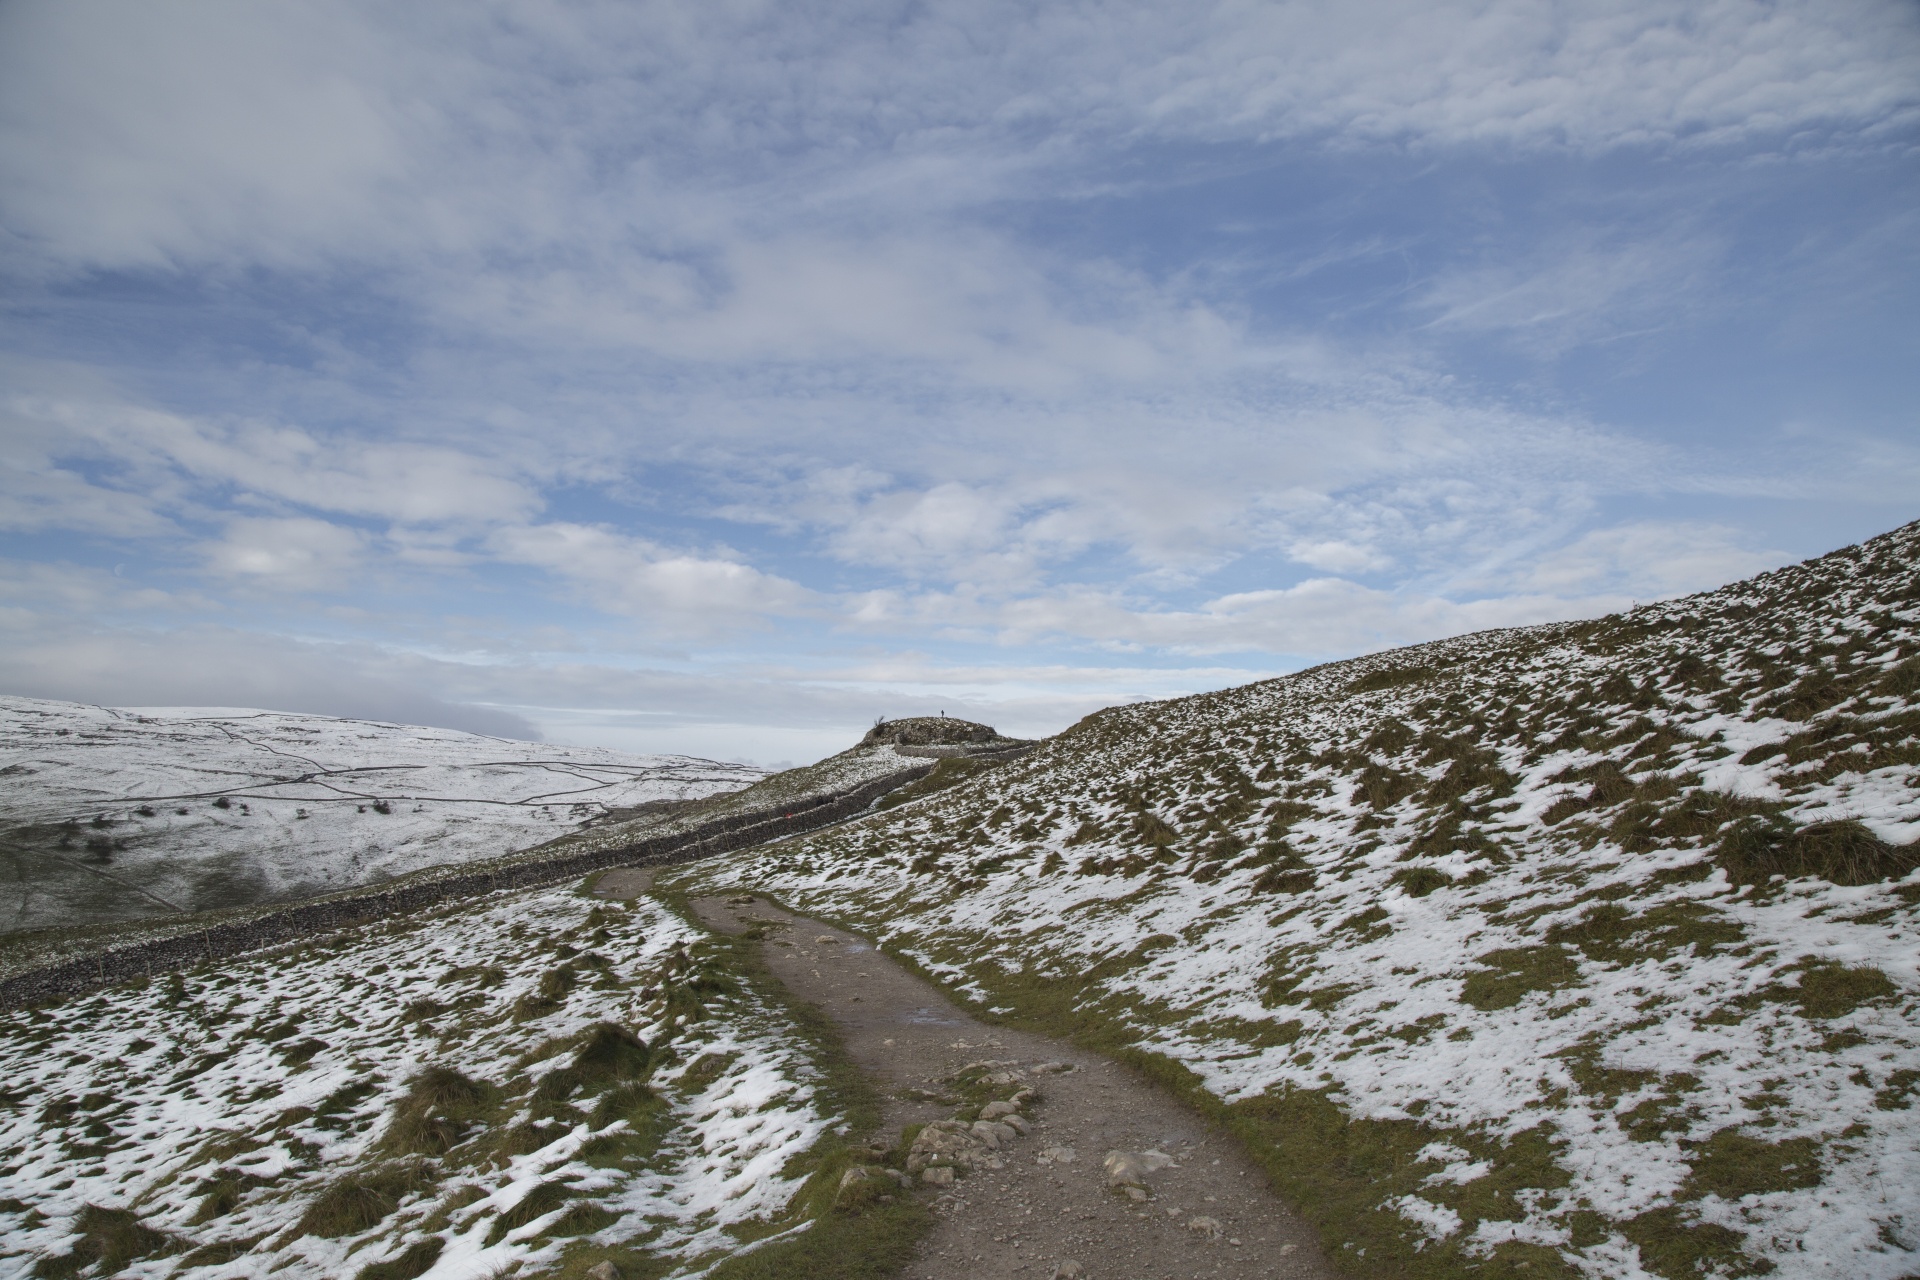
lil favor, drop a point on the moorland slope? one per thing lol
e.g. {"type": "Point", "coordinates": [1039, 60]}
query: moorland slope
{"type": "Point", "coordinates": [1582, 949]}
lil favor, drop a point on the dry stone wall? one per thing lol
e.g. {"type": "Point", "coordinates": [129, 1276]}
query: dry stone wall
{"type": "Point", "coordinates": [305, 920]}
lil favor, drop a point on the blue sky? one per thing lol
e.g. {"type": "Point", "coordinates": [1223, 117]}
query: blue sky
{"type": "Point", "coordinates": [716, 377]}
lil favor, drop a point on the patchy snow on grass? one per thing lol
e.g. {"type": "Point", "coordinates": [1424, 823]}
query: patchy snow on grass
{"type": "Point", "coordinates": [1608, 926]}
{"type": "Point", "coordinates": [532, 1075]}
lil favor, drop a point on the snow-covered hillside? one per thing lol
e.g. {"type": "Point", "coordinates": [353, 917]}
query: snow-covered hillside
{"type": "Point", "coordinates": [531, 1085]}
{"type": "Point", "coordinates": [1578, 950]}
{"type": "Point", "coordinates": [112, 814]}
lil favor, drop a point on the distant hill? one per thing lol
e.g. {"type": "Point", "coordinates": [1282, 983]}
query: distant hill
{"type": "Point", "coordinates": [114, 814]}
{"type": "Point", "coordinates": [1582, 949]}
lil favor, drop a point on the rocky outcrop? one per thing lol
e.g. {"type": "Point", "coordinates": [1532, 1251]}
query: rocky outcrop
{"type": "Point", "coordinates": [931, 731]}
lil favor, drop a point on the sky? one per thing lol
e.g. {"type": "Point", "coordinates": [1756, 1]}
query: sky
{"type": "Point", "coordinates": [718, 376]}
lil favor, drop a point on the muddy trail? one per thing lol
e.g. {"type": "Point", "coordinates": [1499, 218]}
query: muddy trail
{"type": "Point", "coordinates": [1078, 1167]}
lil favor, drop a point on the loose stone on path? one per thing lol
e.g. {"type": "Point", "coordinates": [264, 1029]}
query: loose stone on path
{"type": "Point", "coordinates": [1075, 1170]}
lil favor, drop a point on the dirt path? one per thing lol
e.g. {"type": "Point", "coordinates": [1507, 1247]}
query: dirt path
{"type": "Point", "coordinates": [1048, 1209]}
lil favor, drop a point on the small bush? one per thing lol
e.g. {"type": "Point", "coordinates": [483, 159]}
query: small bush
{"type": "Point", "coordinates": [610, 1052]}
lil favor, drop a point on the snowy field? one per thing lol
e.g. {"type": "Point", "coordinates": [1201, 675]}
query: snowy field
{"type": "Point", "coordinates": [115, 814]}
{"type": "Point", "coordinates": [1586, 950]}
{"type": "Point", "coordinates": [533, 1080]}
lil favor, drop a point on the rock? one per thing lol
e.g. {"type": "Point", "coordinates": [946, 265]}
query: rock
{"type": "Point", "coordinates": [1130, 1168]}
{"type": "Point", "coordinates": [995, 1110]}
{"type": "Point", "coordinates": [1056, 1155]}
{"type": "Point", "coordinates": [1067, 1271]}
{"type": "Point", "coordinates": [826, 938]}
{"type": "Point", "coordinates": [1018, 1124]}
{"type": "Point", "coordinates": [1135, 1194]}
{"type": "Point", "coordinates": [946, 1142]}
{"type": "Point", "coordinates": [991, 1072]}
{"type": "Point", "coordinates": [993, 1133]}
{"type": "Point", "coordinates": [939, 1175]}
{"type": "Point", "coordinates": [1208, 1227]}
{"type": "Point", "coordinates": [603, 1271]}
{"type": "Point", "coordinates": [1052, 1068]}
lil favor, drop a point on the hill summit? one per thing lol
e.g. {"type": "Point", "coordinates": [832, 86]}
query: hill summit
{"type": "Point", "coordinates": [929, 731]}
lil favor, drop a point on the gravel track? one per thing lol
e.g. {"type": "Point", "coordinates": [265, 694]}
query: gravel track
{"type": "Point", "coordinates": [1048, 1209]}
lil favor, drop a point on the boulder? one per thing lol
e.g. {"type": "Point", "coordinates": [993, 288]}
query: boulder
{"type": "Point", "coordinates": [1130, 1168]}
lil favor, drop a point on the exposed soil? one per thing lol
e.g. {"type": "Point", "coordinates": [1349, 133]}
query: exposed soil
{"type": "Point", "coordinates": [1209, 1213]}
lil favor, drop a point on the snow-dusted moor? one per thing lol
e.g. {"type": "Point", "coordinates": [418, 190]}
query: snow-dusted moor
{"type": "Point", "coordinates": [1582, 949]}
{"type": "Point", "coordinates": [537, 1079]}
{"type": "Point", "coordinates": [112, 814]}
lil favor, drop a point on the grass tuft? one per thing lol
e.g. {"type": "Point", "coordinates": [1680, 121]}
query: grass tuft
{"type": "Point", "coordinates": [1843, 853]}
{"type": "Point", "coordinates": [432, 1117]}
{"type": "Point", "coordinates": [361, 1201]}
{"type": "Point", "coordinates": [417, 1260]}
{"type": "Point", "coordinates": [111, 1240]}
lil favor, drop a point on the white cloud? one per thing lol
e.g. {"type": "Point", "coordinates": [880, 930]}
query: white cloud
{"type": "Point", "coordinates": [777, 265]}
{"type": "Point", "coordinates": [1577, 288]}
{"type": "Point", "coordinates": [293, 554]}
{"type": "Point", "coordinates": [1533, 72]}
{"type": "Point", "coordinates": [132, 134]}
{"type": "Point", "coordinates": [673, 592]}
{"type": "Point", "coordinates": [148, 460]}
{"type": "Point", "coordinates": [1645, 560]}
{"type": "Point", "coordinates": [297, 133]}
{"type": "Point", "coordinates": [217, 667]}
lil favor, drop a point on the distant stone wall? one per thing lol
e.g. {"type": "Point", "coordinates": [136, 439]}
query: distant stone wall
{"type": "Point", "coordinates": [304, 920]}
{"type": "Point", "coordinates": [989, 752]}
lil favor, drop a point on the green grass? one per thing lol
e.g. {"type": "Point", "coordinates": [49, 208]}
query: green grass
{"type": "Point", "coordinates": [416, 1260]}
{"type": "Point", "coordinates": [110, 1239]}
{"type": "Point", "coordinates": [1732, 1164]}
{"type": "Point", "coordinates": [362, 1200]}
{"type": "Point", "coordinates": [857, 1238]}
